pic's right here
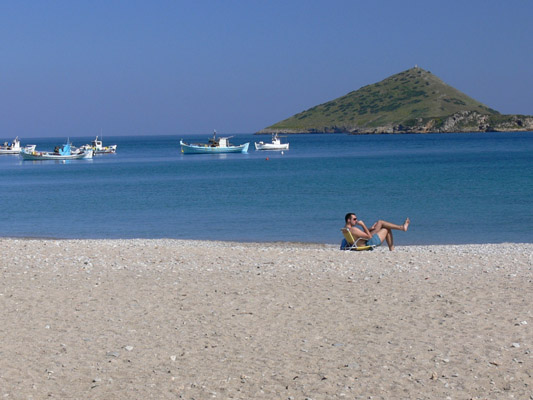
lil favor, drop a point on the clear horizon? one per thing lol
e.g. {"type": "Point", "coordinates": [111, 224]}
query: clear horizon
{"type": "Point", "coordinates": [179, 68]}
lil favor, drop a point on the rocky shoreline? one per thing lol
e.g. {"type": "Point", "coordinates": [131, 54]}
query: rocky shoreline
{"type": "Point", "coordinates": [461, 122]}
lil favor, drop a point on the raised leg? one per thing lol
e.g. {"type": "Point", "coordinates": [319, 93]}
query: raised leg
{"type": "Point", "coordinates": [384, 230]}
{"type": "Point", "coordinates": [389, 225]}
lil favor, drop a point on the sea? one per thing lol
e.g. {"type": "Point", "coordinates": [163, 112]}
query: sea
{"type": "Point", "coordinates": [456, 188]}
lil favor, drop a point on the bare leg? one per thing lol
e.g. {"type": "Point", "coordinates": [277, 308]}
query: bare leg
{"type": "Point", "coordinates": [385, 235]}
{"type": "Point", "coordinates": [384, 231]}
{"type": "Point", "coordinates": [390, 240]}
{"type": "Point", "coordinates": [388, 225]}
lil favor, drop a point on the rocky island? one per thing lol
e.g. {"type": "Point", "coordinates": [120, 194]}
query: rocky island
{"type": "Point", "coordinates": [413, 101]}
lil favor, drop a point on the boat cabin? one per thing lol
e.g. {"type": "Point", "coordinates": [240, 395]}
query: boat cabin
{"type": "Point", "coordinates": [223, 142]}
{"type": "Point", "coordinates": [64, 150]}
{"type": "Point", "coordinates": [220, 142]}
{"type": "Point", "coordinates": [15, 145]}
{"type": "Point", "coordinates": [96, 144]}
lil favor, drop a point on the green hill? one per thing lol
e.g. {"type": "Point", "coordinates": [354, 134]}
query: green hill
{"type": "Point", "coordinates": [411, 101]}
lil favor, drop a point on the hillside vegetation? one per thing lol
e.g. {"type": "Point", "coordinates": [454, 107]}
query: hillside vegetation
{"type": "Point", "coordinates": [411, 101]}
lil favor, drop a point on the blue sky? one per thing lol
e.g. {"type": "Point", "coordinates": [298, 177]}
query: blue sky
{"type": "Point", "coordinates": [188, 67]}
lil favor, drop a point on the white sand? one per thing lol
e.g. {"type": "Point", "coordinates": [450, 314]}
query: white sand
{"type": "Point", "coordinates": [170, 319]}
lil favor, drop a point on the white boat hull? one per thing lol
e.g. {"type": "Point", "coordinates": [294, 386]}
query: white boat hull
{"type": "Point", "coordinates": [44, 155]}
{"type": "Point", "coordinates": [9, 151]}
{"type": "Point", "coordinates": [206, 149]}
{"type": "Point", "coordinates": [98, 148]}
{"type": "Point", "coordinates": [14, 148]}
{"type": "Point", "coordinates": [107, 150]}
{"type": "Point", "coordinates": [271, 146]}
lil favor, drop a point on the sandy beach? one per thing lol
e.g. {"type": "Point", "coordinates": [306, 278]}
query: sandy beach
{"type": "Point", "coordinates": [173, 319]}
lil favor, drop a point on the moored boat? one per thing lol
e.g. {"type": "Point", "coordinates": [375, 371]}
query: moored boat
{"type": "Point", "coordinates": [98, 148]}
{"type": "Point", "coordinates": [63, 152]}
{"type": "Point", "coordinates": [14, 147]}
{"type": "Point", "coordinates": [214, 146]}
{"type": "Point", "coordinates": [274, 145]}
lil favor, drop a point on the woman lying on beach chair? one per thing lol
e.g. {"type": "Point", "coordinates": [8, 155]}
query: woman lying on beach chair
{"type": "Point", "coordinates": [363, 238]}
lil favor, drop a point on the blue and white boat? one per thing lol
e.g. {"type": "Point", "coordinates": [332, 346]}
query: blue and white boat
{"type": "Point", "coordinates": [14, 147]}
{"type": "Point", "coordinates": [214, 146]}
{"type": "Point", "coordinates": [63, 152]}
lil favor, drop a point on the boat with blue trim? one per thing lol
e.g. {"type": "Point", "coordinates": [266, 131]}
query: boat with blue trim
{"type": "Point", "coordinates": [214, 146]}
{"type": "Point", "coordinates": [14, 147]}
{"type": "Point", "coordinates": [63, 152]}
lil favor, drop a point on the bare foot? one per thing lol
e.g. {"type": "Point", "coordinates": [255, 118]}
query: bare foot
{"type": "Point", "coordinates": [406, 224]}
{"type": "Point", "coordinates": [391, 248]}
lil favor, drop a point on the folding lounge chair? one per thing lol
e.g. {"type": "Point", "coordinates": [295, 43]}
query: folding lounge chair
{"type": "Point", "coordinates": [353, 244]}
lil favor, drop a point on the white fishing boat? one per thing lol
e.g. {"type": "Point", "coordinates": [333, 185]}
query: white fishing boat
{"type": "Point", "coordinates": [274, 145]}
{"type": "Point", "coordinates": [14, 147]}
{"type": "Point", "coordinates": [214, 146]}
{"type": "Point", "coordinates": [98, 148]}
{"type": "Point", "coordinates": [63, 152]}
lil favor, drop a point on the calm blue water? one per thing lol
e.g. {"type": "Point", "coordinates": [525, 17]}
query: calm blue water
{"type": "Point", "coordinates": [456, 188]}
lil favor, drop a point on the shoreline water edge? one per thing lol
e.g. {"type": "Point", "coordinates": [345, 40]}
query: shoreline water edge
{"type": "Point", "coordinates": [456, 188]}
{"type": "Point", "coordinates": [167, 318]}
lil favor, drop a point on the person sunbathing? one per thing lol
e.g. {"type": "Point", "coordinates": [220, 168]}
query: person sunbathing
{"type": "Point", "coordinates": [380, 231]}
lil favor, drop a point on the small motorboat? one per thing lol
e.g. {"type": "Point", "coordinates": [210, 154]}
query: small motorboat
{"type": "Point", "coordinates": [63, 152]}
{"type": "Point", "coordinates": [14, 147]}
{"type": "Point", "coordinates": [214, 146]}
{"type": "Point", "coordinates": [98, 148]}
{"type": "Point", "coordinates": [274, 145]}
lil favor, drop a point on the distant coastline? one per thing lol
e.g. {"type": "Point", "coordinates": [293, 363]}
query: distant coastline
{"type": "Point", "coordinates": [463, 122]}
